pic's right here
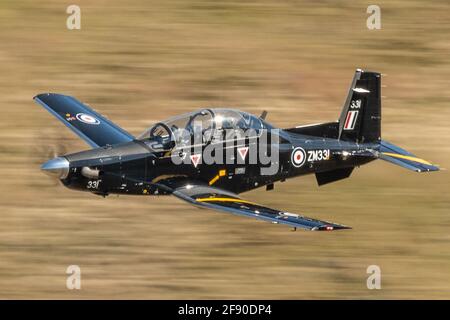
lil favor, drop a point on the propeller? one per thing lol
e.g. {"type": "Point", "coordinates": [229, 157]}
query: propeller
{"type": "Point", "coordinates": [49, 147]}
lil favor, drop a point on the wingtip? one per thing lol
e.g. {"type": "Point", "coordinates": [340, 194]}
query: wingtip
{"type": "Point", "coordinates": [332, 227]}
{"type": "Point", "coordinates": [431, 168]}
{"type": "Point", "coordinates": [46, 94]}
{"type": "Point", "coordinates": [343, 228]}
{"type": "Point", "coordinates": [40, 95]}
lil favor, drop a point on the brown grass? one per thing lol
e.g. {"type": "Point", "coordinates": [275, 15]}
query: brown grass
{"type": "Point", "coordinates": [138, 62]}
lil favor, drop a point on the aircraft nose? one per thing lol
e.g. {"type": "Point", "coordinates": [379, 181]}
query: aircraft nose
{"type": "Point", "coordinates": [57, 167]}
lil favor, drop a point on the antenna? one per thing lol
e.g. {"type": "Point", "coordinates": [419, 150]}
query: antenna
{"type": "Point", "coordinates": [263, 115]}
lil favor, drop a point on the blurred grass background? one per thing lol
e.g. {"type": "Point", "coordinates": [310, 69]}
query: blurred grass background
{"type": "Point", "coordinates": [142, 61]}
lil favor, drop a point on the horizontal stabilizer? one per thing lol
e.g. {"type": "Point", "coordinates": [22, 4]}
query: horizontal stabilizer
{"type": "Point", "coordinates": [403, 158]}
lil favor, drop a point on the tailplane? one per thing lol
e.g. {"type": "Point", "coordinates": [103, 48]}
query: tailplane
{"type": "Point", "coordinates": [403, 158]}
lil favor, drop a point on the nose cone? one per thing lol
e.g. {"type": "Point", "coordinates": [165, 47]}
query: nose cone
{"type": "Point", "coordinates": [58, 167]}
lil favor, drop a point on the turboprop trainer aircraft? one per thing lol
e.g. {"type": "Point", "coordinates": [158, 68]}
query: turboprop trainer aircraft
{"type": "Point", "coordinates": [174, 157]}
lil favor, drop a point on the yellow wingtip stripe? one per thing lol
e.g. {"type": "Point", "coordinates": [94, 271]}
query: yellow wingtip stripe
{"type": "Point", "coordinates": [223, 200]}
{"type": "Point", "coordinates": [401, 156]}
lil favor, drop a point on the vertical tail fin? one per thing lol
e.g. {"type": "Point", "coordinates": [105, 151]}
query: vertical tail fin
{"type": "Point", "coordinates": [360, 120]}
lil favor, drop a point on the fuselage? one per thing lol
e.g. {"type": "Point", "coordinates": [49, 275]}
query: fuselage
{"type": "Point", "coordinates": [138, 167]}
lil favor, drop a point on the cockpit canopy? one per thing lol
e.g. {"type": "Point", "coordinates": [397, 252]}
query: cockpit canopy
{"type": "Point", "coordinates": [211, 124]}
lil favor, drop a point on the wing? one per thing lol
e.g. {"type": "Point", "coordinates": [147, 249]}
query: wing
{"type": "Point", "coordinates": [89, 125]}
{"type": "Point", "coordinates": [218, 199]}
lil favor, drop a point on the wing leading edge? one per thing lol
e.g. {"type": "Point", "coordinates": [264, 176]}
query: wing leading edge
{"type": "Point", "coordinates": [221, 200]}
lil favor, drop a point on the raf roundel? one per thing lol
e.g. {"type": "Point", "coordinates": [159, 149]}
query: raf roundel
{"type": "Point", "coordinates": [298, 157]}
{"type": "Point", "coordinates": [88, 119]}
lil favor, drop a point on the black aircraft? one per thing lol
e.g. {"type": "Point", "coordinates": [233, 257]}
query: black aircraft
{"type": "Point", "coordinates": [168, 158]}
